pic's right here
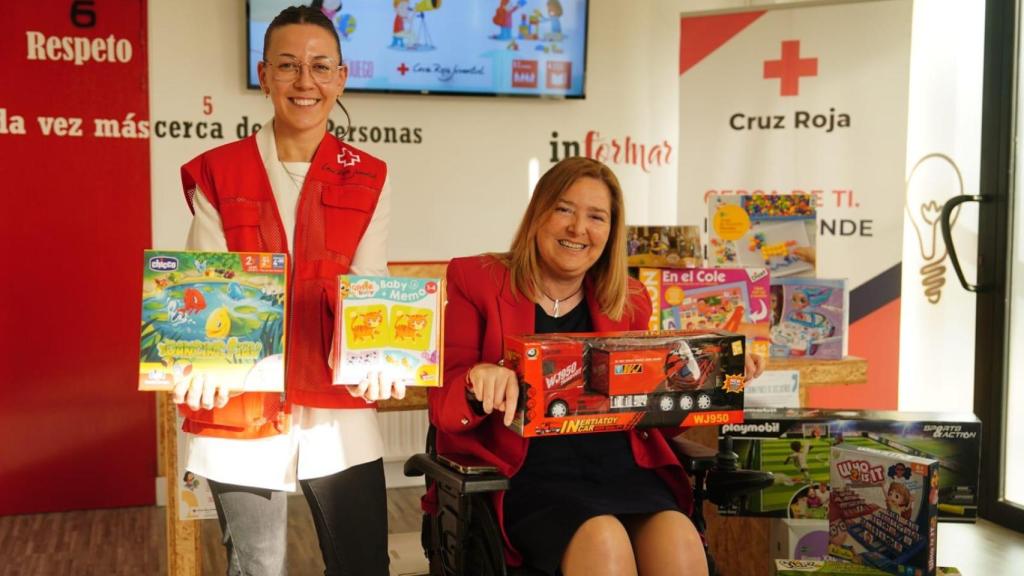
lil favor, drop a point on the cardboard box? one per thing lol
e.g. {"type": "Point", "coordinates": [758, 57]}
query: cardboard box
{"type": "Point", "coordinates": [733, 300]}
{"type": "Point", "coordinates": [835, 568]}
{"type": "Point", "coordinates": [581, 383]}
{"type": "Point", "coordinates": [677, 246]}
{"type": "Point", "coordinates": [810, 318]}
{"type": "Point", "coordinates": [219, 313]}
{"type": "Point", "coordinates": [883, 510]}
{"type": "Point", "coordinates": [766, 441]}
{"type": "Point", "coordinates": [391, 325]}
{"type": "Point", "coordinates": [778, 232]}
{"type": "Point", "coordinates": [799, 539]}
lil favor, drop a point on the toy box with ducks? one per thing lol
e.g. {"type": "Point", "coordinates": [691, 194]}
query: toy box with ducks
{"type": "Point", "coordinates": [221, 314]}
{"type": "Point", "coordinates": [607, 382]}
{"type": "Point", "coordinates": [883, 510]}
{"type": "Point", "coordinates": [391, 325]}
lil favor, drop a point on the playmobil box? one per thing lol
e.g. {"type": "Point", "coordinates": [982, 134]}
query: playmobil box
{"type": "Point", "coordinates": [734, 300]}
{"type": "Point", "coordinates": [606, 382]}
{"type": "Point", "coordinates": [219, 313]}
{"type": "Point", "coordinates": [391, 325]}
{"type": "Point", "coordinates": [836, 568]}
{"type": "Point", "coordinates": [810, 318]}
{"type": "Point", "coordinates": [778, 232]}
{"type": "Point", "coordinates": [794, 445]}
{"type": "Point", "coordinates": [677, 246]}
{"type": "Point", "coordinates": [883, 509]}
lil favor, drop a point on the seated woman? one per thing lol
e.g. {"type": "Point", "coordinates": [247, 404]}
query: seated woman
{"type": "Point", "coordinates": [610, 503]}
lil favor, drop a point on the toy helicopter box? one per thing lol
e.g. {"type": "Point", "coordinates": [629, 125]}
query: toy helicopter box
{"type": "Point", "coordinates": [219, 313]}
{"type": "Point", "coordinates": [389, 324]}
{"type": "Point", "coordinates": [778, 232]}
{"type": "Point", "coordinates": [835, 568]}
{"type": "Point", "coordinates": [677, 246]}
{"type": "Point", "coordinates": [794, 445]}
{"type": "Point", "coordinates": [581, 383]}
{"type": "Point", "coordinates": [734, 300]}
{"type": "Point", "coordinates": [810, 318]}
{"type": "Point", "coordinates": [883, 510]}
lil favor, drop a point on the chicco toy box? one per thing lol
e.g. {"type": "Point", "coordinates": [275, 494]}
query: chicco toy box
{"type": "Point", "coordinates": [594, 382]}
{"type": "Point", "coordinates": [221, 314]}
{"type": "Point", "coordinates": [810, 318]}
{"type": "Point", "coordinates": [794, 445]}
{"type": "Point", "coordinates": [883, 510]}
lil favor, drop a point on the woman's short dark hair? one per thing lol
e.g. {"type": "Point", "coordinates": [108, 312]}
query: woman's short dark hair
{"type": "Point", "coordinates": [301, 15]}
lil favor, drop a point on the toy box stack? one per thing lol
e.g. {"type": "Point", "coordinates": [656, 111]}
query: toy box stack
{"type": "Point", "coordinates": [810, 318]}
{"type": "Point", "coordinates": [217, 313]}
{"type": "Point", "coordinates": [836, 568]}
{"type": "Point", "coordinates": [734, 300]}
{"type": "Point", "coordinates": [581, 383]}
{"type": "Point", "coordinates": [883, 509]}
{"type": "Point", "coordinates": [763, 231]}
{"type": "Point", "coordinates": [677, 246]}
{"type": "Point", "coordinates": [795, 444]}
{"type": "Point", "coordinates": [389, 324]}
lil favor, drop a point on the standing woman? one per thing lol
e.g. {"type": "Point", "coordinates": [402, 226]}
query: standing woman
{"type": "Point", "coordinates": [292, 187]}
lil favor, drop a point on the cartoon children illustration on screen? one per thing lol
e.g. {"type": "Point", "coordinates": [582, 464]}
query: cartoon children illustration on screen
{"type": "Point", "coordinates": [401, 28]}
{"type": "Point", "coordinates": [503, 18]}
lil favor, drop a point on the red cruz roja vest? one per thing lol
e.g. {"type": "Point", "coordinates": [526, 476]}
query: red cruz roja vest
{"type": "Point", "coordinates": [335, 206]}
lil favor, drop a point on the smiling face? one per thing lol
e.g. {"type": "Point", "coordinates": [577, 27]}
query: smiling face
{"type": "Point", "coordinates": [302, 104]}
{"type": "Point", "coordinates": [574, 233]}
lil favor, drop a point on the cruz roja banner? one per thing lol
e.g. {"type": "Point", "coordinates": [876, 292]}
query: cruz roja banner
{"type": "Point", "coordinates": [810, 100]}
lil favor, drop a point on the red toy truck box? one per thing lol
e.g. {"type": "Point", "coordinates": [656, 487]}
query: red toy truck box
{"type": "Point", "coordinates": [594, 382]}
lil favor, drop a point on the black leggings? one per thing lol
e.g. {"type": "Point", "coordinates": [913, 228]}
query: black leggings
{"type": "Point", "coordinates": [351, 517]}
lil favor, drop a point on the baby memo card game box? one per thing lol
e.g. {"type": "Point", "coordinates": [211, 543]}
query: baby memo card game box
{"type": "Point", "coordinates": [883, 509]}
{"type": "Point", "coordinates": [388, 324]}
{"type": "Point", "coordinates": [763, 231]}
{"type": "Point", "coordinates": [222, 314]}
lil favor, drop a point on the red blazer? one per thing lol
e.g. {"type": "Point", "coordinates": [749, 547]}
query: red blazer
{"type": "Point", "coordinates": [481, 311]}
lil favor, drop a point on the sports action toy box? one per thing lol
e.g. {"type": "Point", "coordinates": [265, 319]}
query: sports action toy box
{"type": "Point", "coordinates": [883, 511]}
{"type": "Point", "coordinates": [222, 314]}
{"type": "Point", "coordinates": [391, 325]}
{"type": "Point", "coordinates": [677, 246]}
{"type": "Point", "coordinates": [836, 568]}
{"type": "Point", "coordinates": [810, 318]}
{"type": "Point", "coordinates": [607, 382]}
{"type": "Point", "coordinates": [794, 443]}
{"type": "Point", "coordinates": [777, 232]}
{"type": "Point", "coordinates": [734, 300]}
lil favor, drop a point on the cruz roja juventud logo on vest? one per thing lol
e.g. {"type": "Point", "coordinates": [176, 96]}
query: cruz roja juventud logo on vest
{"type": "Point", "coordinates": [615, 150]}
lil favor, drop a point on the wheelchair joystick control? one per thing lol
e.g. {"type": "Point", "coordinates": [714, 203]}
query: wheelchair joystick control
{"type": "Point", "coordinates": [726, 460]}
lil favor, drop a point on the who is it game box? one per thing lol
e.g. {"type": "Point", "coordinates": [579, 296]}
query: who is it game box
{"type": "Point", "coordinates": [810, 318]}
{"type": "Point", "coordinates": [389, 324]}
{"type": "Point", "coordinates": [778, 232]}
{"type": "Point", "coordinates": [883, 509]}
{"type": "Point", "coordinates": [794, 445]}
{"type": "Point", "coordinates": [219, 313]}
{"type": "Point", "coordinates": [607, 382]}
{"type": "Point", "coordinates": [733, 300]}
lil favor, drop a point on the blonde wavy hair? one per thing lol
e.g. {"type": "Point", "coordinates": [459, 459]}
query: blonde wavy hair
{"type": "Point", "coordinates": [609, 274]}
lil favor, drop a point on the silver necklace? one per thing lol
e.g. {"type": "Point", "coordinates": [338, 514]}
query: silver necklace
{"type": "Point", "coordinates": [557, 301]}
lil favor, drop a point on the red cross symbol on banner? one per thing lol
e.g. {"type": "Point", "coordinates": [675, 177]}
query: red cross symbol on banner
{"type": "Point", "coordinates": [402, 69]}
{"type": "Point", "coordinates": [790, 68]}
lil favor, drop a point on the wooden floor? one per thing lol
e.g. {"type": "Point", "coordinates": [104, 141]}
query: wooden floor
{"type": "Point", "coordinates": [131, 541]}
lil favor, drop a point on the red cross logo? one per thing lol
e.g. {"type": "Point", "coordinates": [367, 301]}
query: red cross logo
{"type": "Point", "coordinates": [402, 69]}
{"type": "Point", "coordinates": [790, 68]}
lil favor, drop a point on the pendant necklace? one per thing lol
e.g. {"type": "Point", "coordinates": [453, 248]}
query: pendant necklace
{"type": "Point", "coordinates": [557, 301]}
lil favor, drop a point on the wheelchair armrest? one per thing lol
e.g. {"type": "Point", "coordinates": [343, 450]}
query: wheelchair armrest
{"type": "Point", "coordinates": [451, 479]}
{"type": "Point", "coordinates": [694, 457]}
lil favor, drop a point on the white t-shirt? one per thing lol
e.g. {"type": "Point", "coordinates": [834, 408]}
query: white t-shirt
{"type": "Point", "coordinates": [322, 441]}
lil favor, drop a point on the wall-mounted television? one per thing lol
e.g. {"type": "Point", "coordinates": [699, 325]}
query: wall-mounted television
{"type": "Point", "coordinates": [476, 47]}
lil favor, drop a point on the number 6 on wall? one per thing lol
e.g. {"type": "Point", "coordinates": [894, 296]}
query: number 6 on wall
{"type": "Point", "coordinates": [947, 237]}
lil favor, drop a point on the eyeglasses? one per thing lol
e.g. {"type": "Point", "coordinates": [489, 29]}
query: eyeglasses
{"type": "Point", "coordinates": [322, 71]}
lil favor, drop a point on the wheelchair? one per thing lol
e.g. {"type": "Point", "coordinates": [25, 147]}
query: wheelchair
{"type": "Point", "coordinates": [463, 537]}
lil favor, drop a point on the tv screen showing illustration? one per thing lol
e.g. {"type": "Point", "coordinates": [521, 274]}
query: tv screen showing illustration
{"type": "Point", "coordinates": [475, 47]}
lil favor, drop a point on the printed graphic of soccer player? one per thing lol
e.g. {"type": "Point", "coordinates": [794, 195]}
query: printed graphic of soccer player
{"type": "Point", "coordinates": [799, 457]}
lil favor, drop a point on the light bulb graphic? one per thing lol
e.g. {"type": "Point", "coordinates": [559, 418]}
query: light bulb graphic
{"type": "Point", "coordinates": [933, 180]}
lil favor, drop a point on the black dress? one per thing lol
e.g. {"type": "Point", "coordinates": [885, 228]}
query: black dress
{"type": "Point", "coordinates": [566, 480]}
